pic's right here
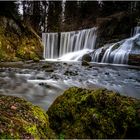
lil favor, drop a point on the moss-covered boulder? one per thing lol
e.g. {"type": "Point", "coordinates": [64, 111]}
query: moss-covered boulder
{"type": "Point", "coordinates": [18, 41]}
{"type": "Point", "coordinates": [20, 119]}
{"type": "Point", "coordinates": [82, 113]}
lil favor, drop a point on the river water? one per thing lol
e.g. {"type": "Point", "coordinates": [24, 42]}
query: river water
{"type": "Point", "coordinates": [41, 85]}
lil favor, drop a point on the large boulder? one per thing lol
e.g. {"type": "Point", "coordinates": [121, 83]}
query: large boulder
{"type": "Point", "coordinates": [90, 114]}
{"type": "Point", "coordinates": [20, 119]}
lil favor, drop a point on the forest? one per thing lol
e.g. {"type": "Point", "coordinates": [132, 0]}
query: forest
{"type": "Point", "coordinates": [56, 16]}
{"type": "Point", "coordinates": [69, 69]}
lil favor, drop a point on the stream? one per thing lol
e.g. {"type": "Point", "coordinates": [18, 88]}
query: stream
{"type": "Point", "coordinates": [42, 83]}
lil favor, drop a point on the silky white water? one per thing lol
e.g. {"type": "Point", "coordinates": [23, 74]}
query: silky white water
{"type": "Point", "coordinates": [50, 42]}
{"type": "Point", "coordinates": [118, 53]}
{"type": "Point", "coordinates": [71, 46]}
{"type": "Point", "coordinates": [68, 42]}
{"type": "Point", "coordinates": [75, 56]}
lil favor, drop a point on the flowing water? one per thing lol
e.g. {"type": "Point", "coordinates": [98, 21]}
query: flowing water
{"type": "Point", "coordinates": [118, 53]}
{"type": "Point", "coordinates": [42, 87]}
{"type": "Point", "coordinates": [73, 45]}
{"type": "Point", "coordinates": [58, 44]}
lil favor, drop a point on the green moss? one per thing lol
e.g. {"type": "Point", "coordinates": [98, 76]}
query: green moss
{"type": "Point", "coordinates": [20, 119]}
{"type": "Point", "coordinates": [32, 129]}
{"type": "Point", "coordinates": [15, 45]}
{"type": "Point", "coordinates": [81, 113]}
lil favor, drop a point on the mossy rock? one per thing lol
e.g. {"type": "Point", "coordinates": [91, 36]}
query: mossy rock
{"type": "Point", "coordinates": [87, 58]}
{"type": "Point", "coordinates": [20, 119]}
{"type": "Point", "coordinates": [18, 44]}
{"type": "Point", "coordinates": [82, 113]}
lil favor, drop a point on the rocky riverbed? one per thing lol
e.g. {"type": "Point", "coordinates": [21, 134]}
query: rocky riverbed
{"type": "Point", "coordinates": [42, 82]}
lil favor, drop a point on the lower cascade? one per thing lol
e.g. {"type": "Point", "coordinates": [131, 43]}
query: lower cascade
{"type": "Point", "coordinates": [74, 45]}
{"type": "Point", "coordinates": [119, 53]}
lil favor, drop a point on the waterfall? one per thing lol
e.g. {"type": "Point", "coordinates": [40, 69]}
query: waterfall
{"type": "Point", "coordinates": [96, 55]}
{"type": "Point", "coordinates": [50, 40]}
{"type": "Point", "coordinates": [73, 45]}
{"type": "Point", "coordinates": [136, 30]}
{"type": "Point", "coordinates": [118, 53]}
{"type": "Point", "coordinates": [69, 42]}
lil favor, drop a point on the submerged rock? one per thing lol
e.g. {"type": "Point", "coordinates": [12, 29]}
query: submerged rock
{"type": "Point", "coordinates": [20, 119]}
{"type": "Point", "coordinates": [81, 113]}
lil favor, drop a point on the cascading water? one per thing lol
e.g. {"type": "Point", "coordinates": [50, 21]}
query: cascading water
{"type": "Point", "coordinates": [50, 40]}
{"type": "Point", "coordinates": [73, 45]}
{"type": "Point", "coordinates": [119, 52]}
{"type": "Point", "coordinates": [136, 30]}
{"type": "Point", "coordinates": [69, 42]}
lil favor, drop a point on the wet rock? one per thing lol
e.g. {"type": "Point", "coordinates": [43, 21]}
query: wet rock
{"type": "Point", "coordinates": [91, 114]}
{"type": "Point", "coordinates": [70, 73]}
{"type": "Point", "coordinates": [20, 119]}
{"type": "Point", "coordinates": [106, 73]}
{"type": "Point", "coordinates": [85, 63]}
{"type": "Point", "coordinates": [55, 76]}
{"type": "Point", "coordinates": [49, 70]}
{"type": "Point", "coordinates": [87, 58]}
{"type": "Point", "coordinates": [40, 78]}
{"type": "Point", "coordinates": [134, 59]}
{"type": "Point", "coordinates": [46, 66]}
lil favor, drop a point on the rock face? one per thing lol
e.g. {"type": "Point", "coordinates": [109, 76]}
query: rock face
{"type": "Point", "coordinates": [81, 113]}
{"type": "Point", "coordinates": [18, 41]}
{"type": "Point", "coordinates": [114, 28]}
{"type": "Point", "coordinates": [19, 119]}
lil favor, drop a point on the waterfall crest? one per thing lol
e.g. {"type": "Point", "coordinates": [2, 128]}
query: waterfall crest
{"type": "Point", "coordinates": [69, 42]}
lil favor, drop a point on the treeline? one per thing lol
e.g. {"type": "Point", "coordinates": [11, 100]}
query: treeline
{"type": "Point", "coordinates": [55, 16]}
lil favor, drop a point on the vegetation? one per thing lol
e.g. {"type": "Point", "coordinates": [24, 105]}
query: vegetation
{"type": "Point", "coordinates": [18, 28]}
{"type": "Point", "coordinates": [16, 44]}
{"type": "Point", "coordinates": [20, 119]}
{"type": "Point", "coordinates": [81, 113]}
{"type": "Point", "coordinates": [78, 113]}
{"type": "Point", "coordinates": [73, 15]}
